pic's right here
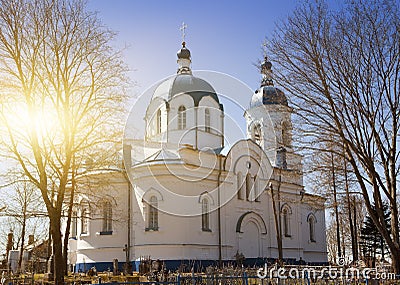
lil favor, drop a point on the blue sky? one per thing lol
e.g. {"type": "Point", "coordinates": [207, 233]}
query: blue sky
{"type": "Point", "coordinates": [223, 36]}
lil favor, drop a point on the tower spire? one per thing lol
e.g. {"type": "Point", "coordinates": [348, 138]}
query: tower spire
{"type": "Point", "coordinates": [266, 67]}
{"type": "Point", "coordinates": [266, 71]}
{"type": "Point", "coordinates": [184, 58]}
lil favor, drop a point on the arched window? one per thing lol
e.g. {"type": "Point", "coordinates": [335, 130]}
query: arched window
{"type": "Point", "coordinates": [153, 214]}
{"type": "Point", "coordinates": [85, 216]}
{"type": "Point", "coordinates": [107, 218]}
{"type": "Point", "coordinates": [286, 138]}
{"type": "Point", "coordinates": [281, 158]}
{"type": "Point", "coordinates": [286, 212]}
{"type": "Point", "coordinates": [257, 134]}
{"type": "Point", "coordinates": [311, 227]}
{"type": "Point", "coordinates": [181, 117]}
{"type": "Point", "coordinates": [158, 121]}
{"type": "Point", "coordinates": [256, 189]}
{"type": "Point", "coordinates": [240, 186]}
{"type": "Point", "coordinates": [205, 215]}
{"type": "Point", "coordinates": [74, 224]}
{"type": "Point", "coordinates": [207, 120]}
{"type": "Point", "coordinates": [249, 185]}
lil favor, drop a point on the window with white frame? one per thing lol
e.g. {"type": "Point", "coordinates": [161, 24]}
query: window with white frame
{"type": "Point", "coordinates": [74, 224]}
{"type": "Point", "coordinates": [311, 227]}
{"type": "Point", "coordinates": [207, 120]}
{"type": "Point", "coordinates": [257, 134]}
{"type": "Point", "coordinates": [249, 186]}
{"type": "Point", "coordinates": [158, 121]}
{"type": "Point", "coordinates": [152, 224]}
{"type": "Point", "coordinates": [85, 216]}
{"type": "Point", "coordinates": [181, 117]}
{"type": "Point", "coordinates": [205, 215]}
{"type": "Point", "coordinates": [286, 213]}
{"type": "Point", "coordinates": [106, 218]}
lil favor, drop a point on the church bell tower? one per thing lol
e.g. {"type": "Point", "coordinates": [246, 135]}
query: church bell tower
{"type": "Point", "coordinates": [268, 121]}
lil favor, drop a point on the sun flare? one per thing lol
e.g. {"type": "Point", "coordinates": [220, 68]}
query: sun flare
{"type": "Point", "coordinates": [41, 122]}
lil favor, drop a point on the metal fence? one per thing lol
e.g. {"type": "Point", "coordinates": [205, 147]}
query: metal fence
{"type": "Point", "coordinates": [245, 278]}
{"type": "Point", "coordinates": [255, 280]}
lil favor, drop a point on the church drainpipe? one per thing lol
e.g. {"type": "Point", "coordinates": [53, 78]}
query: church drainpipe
{"type": "Point", "coordinates": [168, 109]}
{"type": "Point", "coordinates": [125, 172]}
{"type": "Point", "coordinates": [128, 255]}
{"type": "Point", "coordinates": [222, 131]}
{"type": "Point", "coordinates": [219, 214]}
{"type": "Point", "coordinates": [196, 127]}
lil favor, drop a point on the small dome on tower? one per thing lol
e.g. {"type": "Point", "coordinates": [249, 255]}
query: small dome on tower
{"type": "Point", "coordinates": [268, 94]}
{"type": "Point", "coordinates": [185, 83]}
{"type": "Point", "coordinates": [266, 65]}
{"type": "Point", "coordinates": [183, 52]}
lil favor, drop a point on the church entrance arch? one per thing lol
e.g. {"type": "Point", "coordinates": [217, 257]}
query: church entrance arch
{"type": "Point", "coordinates": [251, 230]}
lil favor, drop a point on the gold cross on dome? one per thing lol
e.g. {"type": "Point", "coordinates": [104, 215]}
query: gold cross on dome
{"type": "Point", "coordinates": [183, 29]}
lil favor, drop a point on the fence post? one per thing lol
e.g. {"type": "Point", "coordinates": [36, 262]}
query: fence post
{"type": "Point", "coordinates": [306, 277]}
{"type": "Point", "coordinates": [246, 280]}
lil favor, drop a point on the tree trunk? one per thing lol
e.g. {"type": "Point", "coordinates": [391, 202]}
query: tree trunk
{"type": "Point", "coordinates": [277, 220]}
{"type": "Point", "coordinates": [394, 222]}
{"type": "Point", "coordinates": [382, 248]}
{"type": "Point", "coordinates": [355, 230]}
{"type": "Point", "coordinates": [66, 238]}
{"type": "Point", "coordinates": [374, 255]}
{"type": "Point", "coordinates": [396, 261]}
{"type": "Point", "coordinates": [336, 207]}
{"type": "Point", "coordinates": [349, 209]}
{"type": "Point", "coordinates": [55, 225]}
{"type": "Point", "coordinates": [21, 253]}
{"type": "Point", "coordinates": [69, 219]}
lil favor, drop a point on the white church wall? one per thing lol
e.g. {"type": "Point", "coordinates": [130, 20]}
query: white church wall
{"type": "Point", "coordinates": [314, 251]}
{"type": "Point", "coordinates": [177, 101]}
{"type": "Point", "coordinates": [186, 135]}
{"type": "Point", "coordinates": [209, 136]}
{"type": "Point", "coordinates": [92, 247]}
{"type": "Point", "coordinates": [174, 231]}
{"type": "Point", "coordinates": [152, 127]}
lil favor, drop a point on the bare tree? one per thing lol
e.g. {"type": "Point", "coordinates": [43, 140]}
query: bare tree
{"type": "Point", "coordinates": [276, 208]}
{"type": "Point", "coordinates": [330, 175]}
{"type": "Point", "coordinates": [62, 96]}
{"type": "Point", "coordinates": [25, 196]}
{"type": "Point", "coordinates": [24, 215]}
{"type": "Point", "coordinates": [342, 71]}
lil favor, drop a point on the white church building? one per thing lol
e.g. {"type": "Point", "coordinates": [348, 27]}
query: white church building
{"type": "Point", "coordinates": [191, 199]}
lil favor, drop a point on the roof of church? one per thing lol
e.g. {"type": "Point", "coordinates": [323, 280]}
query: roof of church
{"type": "Point", "coordinates": [185, 83]}
{"type": "Point", "coordinates": [162, 154]}
{"type": "Point", "coordinates": [183, 52]}
{"type": "Point", "coordinates": [268, 94]}
{"type": "Point", "coordinates": [188, 84]}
